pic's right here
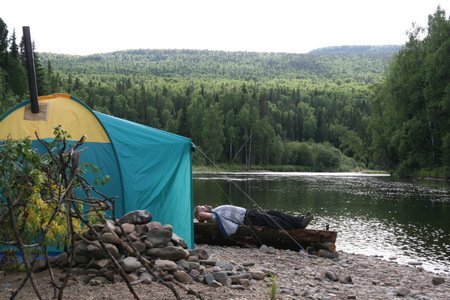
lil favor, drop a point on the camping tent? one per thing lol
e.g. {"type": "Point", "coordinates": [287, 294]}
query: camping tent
{"type": "Point", "coordinates": [149, 168]}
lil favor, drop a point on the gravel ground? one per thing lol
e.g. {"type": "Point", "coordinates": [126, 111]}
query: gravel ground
{"type": "Point", "coordinates": [297, 276]}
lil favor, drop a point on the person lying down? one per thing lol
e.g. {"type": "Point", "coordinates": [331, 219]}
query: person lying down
{"type": "Point", "coordinates": [229, 217]}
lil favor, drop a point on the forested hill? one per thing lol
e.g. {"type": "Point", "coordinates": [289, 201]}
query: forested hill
{"type": "Point", "coordinates": [385, 50]}
{"type": "Point", "coordinates": [334, 108]}
{"type": "Point", "coordinates": [364, 64]}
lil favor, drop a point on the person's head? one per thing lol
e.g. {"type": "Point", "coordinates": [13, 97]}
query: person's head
{"type": "Point", "coordinates": [201, 208]}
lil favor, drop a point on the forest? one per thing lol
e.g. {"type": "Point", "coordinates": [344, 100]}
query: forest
{"type": "Point", "coordinates": [337, 108]}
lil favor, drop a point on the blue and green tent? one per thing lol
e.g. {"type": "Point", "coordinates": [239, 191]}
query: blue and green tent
{"type": "Point", "coordinates": [149, 168]}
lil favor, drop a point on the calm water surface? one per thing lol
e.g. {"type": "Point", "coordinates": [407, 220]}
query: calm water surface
{"type": "Point", "coordinates": [373, 214]}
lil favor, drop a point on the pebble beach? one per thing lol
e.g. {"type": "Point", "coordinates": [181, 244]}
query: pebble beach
{"type": "Point", "coordinates": [286, 275]}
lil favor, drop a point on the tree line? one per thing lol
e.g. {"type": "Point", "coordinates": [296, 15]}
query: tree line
{"type": "Point", "coordinates": [410, 108]}
{"type": "Point", "coordinates": [331, 109]}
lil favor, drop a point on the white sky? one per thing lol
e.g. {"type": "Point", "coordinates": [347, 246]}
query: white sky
{"type": "Point", "coordinates": [96, 26]}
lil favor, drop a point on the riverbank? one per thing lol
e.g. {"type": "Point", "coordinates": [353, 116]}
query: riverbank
{"type": "Point", "coordinates": [291, 275]}
{"type": "Point", "coordinates": [275, 168]}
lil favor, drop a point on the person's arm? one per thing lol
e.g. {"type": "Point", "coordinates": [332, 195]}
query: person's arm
{"type": "Point", "coordinates": [205, 216]}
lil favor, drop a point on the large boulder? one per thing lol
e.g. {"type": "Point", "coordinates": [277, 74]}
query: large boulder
{"type": "Point", "coordinates": [136, 217]}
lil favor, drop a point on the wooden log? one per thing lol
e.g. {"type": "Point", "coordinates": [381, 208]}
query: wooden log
{"type": "Point", "coordinates": [255, 236]}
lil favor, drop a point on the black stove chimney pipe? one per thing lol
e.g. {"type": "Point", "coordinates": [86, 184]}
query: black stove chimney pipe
{"type": "Point", "coordinates": [32, 84]}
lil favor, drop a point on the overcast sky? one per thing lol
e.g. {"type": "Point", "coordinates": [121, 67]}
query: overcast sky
{"type": "Point", "coordinates": [97, 26]}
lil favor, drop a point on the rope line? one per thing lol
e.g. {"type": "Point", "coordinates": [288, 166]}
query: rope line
{"type": "Point", "coordinates": [255, 204]}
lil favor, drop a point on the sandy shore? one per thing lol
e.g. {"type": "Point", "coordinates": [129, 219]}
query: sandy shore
{"type": "Point", "coordinates": [296, 275]}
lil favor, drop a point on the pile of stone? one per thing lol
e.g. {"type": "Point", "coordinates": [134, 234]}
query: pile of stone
{"type": "Point", "coordinates": [158, 244]}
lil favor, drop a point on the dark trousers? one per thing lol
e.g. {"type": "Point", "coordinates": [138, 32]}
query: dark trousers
{"type": "Point", "coordinates": [273, 219]}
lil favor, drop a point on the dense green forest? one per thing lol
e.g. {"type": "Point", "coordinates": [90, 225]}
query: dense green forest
{"type": "Point", "coordinates": [331, 109]}
{"type": "Point", "coordinates": [410, 108]}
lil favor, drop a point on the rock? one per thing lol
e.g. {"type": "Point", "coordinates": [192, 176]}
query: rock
{"type": "Point", "coordinates": [347, 280]}
{"type": "Point", "coordinates": [184, 264]}
{"type": "Point", "coordinates": [95, 250]}
{"type": "Point", "coordinates": [108, 274]}
{"type": "Point", "coordinates": [98, 264]}
{"type": "Point", "coordinates": [111, 238]}
{"type": "Point", "coordinates": [235, 279]}
{"type": "Point", "coordinates": [128, 228]}
{"type": "Point", "coordinates": [165, 265]}
{"type": "Point", "coordinates": [39, 265]}
{"type": "Point", "coordinates": [223, 278]}
{"type": "Point", "coordinates": [88, 235]}
{"type": "Point", "coordinates": [132, 277]}
{"type": "Point", "coordinates": [194, 265]}
{"type": "Point", "coordinates": [237, 287]}
{"type": "Point", "coordinates": [141, 229]}
{"type": "Point", "coordinates": [208, 262]}
{"type": "Point", "coordinates": [200, 253]}
{"type": "Point", "coordinates": [209, 279]}
{"type": "Point", "coordinates": [148, 244]}
{"type": "Point", "coordinates": [193, 258]}
{"type": "Point", "coordinates": [215, 284]}
{"type": "Point", "coordinates": [170, 253]}
{"type": "Point", "coordinates": [330, 275]}
{"type": "Point", "coordinates": [130, 264]}
{"type": "Point", "coordinates": [402, 291]}
{"type": "Point", "coordinates": [92, 271]}
{"type": "Point", "coordinates": [78, 271]}
{"type": "Point", "coordinates": [81, 259]}
{"type": "Point", "coordinates": [136, 217]}
{"type": "Point", "coordinates": [183, 277]}
{"type": "Point", "coordinates": [248, 264]}
{"type": "Point", "coordinates": [139, 246]}
{"type": "Point", "coordinates": [267, 250]}
{"type": "Point", "coordinates": [258, 275]}
{"type": "Point", "coordinates": [195, 274]}
{"type": "Point", "coordinates": [110, 227]}
{"type": "Point", "coordinates": [215, 269]}
{"type": "Point", "coordinates": [438, 280]}
{"type": "Point", "coordinates": [158, 235]}
{"type": "Point", "coordinates": [168, 277]}
{"type": "Point", "coordinates": [146, 278]}
{"type": "Point", "coordinates": [117, 278]}
{"type": "Point", "coordinates": [61, 260]}
{"type": "Point", "coordinates": [88, 278]}
{"type": "Point", "coordinates": [244, 282]}
{"type": "Point", "coordinates": [178, 241]}
{"type": "Point", "coordinates": [97, 281]}
{"type": "Point", "coordinates": [226, 266]}
{"type": "Point", "coordinates": [80, 248]}
{"type": "Point", "coordinates": [414, 263]}
{"type": "Point", "coordinates": [98, 227]}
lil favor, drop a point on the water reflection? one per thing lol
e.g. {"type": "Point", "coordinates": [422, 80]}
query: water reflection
{"type": "Point", "coordinates": [373, 215]}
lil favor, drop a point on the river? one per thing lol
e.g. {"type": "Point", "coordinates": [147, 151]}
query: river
{"type": "Point", "coordinates": [405, 221]}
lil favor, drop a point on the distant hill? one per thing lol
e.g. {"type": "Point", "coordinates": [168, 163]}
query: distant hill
{"type": "Point", "coordinates": [359, 63]}
{"type": "Point", "coordinates": [388, 50]}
